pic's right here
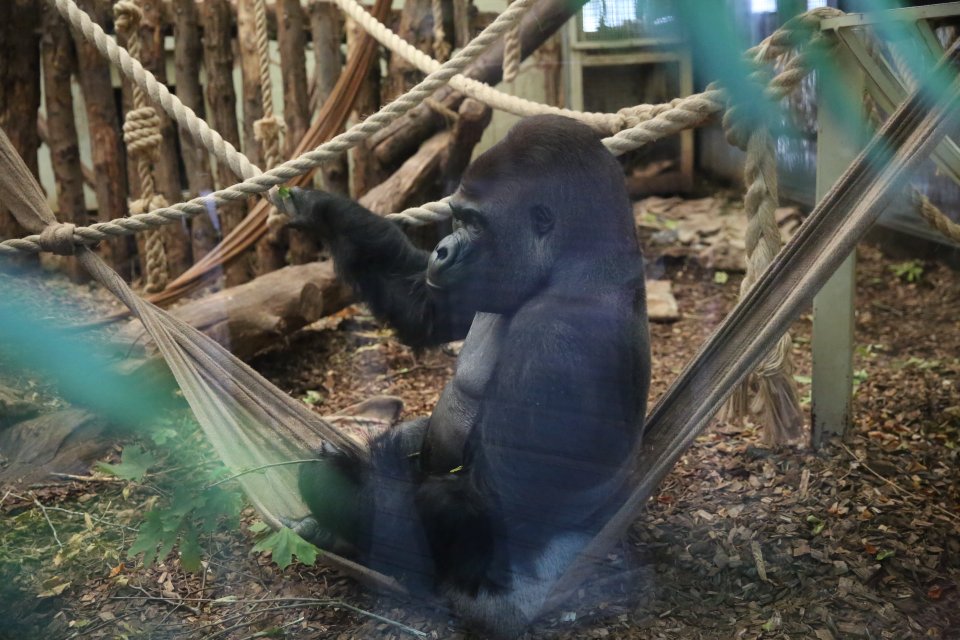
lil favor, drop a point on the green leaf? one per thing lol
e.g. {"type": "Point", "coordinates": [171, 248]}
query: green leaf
{"type": "Point", "coordinates": [149, 536]}
{"type": "Point", "coordinates": [817, 525]}
{"type": "Point", "coordinates": [163, 435]}
{"type": "Point", "coordinates": [134, 462]}
{"type": "Point", "coordinates": [721, 277]}
{"type": "Point", "coordinates": [313, 397]}
{"type": "Point", "coordinates": [284, 544]}
{"type": "Point", "coordinates": [885, 553]}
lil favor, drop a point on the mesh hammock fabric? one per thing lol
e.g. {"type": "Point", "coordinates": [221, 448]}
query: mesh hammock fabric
{"type": "Point", "coordinates": [251, 423]}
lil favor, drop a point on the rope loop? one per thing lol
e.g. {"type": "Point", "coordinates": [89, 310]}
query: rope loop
{"type": "Point", "coordinates": [58, 238]}
{"type": "Point", "coordinates": [141, 132]}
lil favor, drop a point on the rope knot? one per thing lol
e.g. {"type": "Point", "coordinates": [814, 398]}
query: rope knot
{"type": "Point", "coordinates": [267, 129]}
{"type": "Point", "coordinates": [58, 238]}
{"type": "Point", "coordinates": [126, 16]}
{"type": "Point", "coordinates": [141, 132]}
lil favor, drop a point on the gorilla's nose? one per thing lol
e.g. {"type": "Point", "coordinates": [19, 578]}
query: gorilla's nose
{"type": "Point", "coordinates": [443, 257]}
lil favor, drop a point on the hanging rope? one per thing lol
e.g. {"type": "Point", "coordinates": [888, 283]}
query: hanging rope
{"type": "Point", "coordinates": [775, 398]}
{"type": "Point", "coordinates": [141, 133]}
{"type": "Point", "coordinates": [511, 54]}
{"type": "Point", "coordinates": [267, 129]}
{"type": "Point", "coordinates": [441, 48]}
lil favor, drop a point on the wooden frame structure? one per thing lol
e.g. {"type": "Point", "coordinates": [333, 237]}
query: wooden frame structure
{"type": "Point", "coordinates": [841, 135]}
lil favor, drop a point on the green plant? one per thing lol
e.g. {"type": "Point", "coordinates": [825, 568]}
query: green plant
{"type": "Point", "coordinates": [909, 271]}
{"type": "Point", "coordinates": [187, 507]}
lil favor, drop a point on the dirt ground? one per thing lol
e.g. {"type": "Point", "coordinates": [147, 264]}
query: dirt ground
{"type": "Point", "coordinates": [858, 540]}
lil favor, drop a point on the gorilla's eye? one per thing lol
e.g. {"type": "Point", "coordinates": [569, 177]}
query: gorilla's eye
{"type": "Point", "coordinates": [469, 218]}
{"type": "Point", "coordinates": [542, 219]}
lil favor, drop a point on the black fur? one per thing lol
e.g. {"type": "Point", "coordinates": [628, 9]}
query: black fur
{"type": "Point", "coordinates": [529, 449]}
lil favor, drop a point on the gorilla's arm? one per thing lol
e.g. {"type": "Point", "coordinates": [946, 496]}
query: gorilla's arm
{"type": "Point", "coordinates": [375, 258]}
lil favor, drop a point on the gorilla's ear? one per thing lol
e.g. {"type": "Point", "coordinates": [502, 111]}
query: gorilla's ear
{"type": "Point", "coordinates": [542, 218]}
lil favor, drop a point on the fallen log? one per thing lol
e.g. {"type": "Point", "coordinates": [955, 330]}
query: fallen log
{"type": "Point", "coordinates": [255, 315]}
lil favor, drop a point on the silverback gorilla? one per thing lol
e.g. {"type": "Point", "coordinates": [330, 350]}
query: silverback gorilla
{"type": "Point", "coordinates": [529, 450]}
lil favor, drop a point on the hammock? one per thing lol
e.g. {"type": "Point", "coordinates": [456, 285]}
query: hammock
{"type": "Point", "coordinates": [251, 423]}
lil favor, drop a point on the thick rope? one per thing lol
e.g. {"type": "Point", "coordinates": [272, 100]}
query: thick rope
{"type": "Point", "coordinates": [141, 133]}
{"type": "Point", "coordinates": [441, 48]}
{"type": "Point", "coordinates": [280, 174]}
{"type": "Point", "coordinates": [511, 54]}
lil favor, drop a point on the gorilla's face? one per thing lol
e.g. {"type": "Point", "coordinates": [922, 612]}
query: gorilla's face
{"type": "Point", "coordinates": [500, 254]}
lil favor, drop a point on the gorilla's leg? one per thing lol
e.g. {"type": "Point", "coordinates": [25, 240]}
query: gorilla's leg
{"type": "Point", "coordinates": [367, 505]}
{"type": "Point", "coordinates": [506, 612]}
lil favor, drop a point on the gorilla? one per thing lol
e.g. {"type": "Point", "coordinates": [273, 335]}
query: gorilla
{"type": "Point", "coordinates": [529, 450]}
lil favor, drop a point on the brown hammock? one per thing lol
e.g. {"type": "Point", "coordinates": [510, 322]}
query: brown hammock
{"type": "Point", "coordinates": [251, 423]}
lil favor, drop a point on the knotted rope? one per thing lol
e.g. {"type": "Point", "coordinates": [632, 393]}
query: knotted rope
{"type": "Point", "coordinates": [141, 133]}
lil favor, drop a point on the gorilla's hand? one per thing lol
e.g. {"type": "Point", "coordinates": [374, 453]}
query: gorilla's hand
{"type": "Point", "coordinates": [323, 215]}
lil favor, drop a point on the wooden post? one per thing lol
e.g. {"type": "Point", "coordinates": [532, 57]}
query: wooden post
{"type": "Point", "coordinates": [176, 239]}
{"type": "Point", "coordinates": [292, 40]}
{"type": "Point", "coordinates": [187, 54]}
{"type": "Point", "coordinates": [215, 16]}
{"type": "Point", "coordinates": [325, 29]}
{"type": "Point", "coordinates": [19, 88]}
{"type": "Point", "coordinates": [59, 64]}
{"type": "Point", "coordinates": [416, 27]}
{"type": "Point", "coordinates": [365, 171]}
{"type": "Point", "coordinates": [840, 137]}
{"type": "Point", "coordinates": [473, 118]}
{"type": "Point", "coordinates": [109, 162]}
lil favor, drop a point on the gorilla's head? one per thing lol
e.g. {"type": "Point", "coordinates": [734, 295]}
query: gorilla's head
{"type": "Point", "coordinates": [532, 210]}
